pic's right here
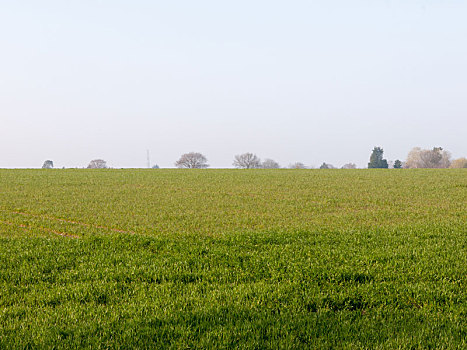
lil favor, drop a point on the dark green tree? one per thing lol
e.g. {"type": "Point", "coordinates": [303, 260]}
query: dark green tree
{"type": "Point", "coordinates": [397, 164]}
{"type": "Point", "coordinates": [326, 166]}
{"type": "Point", "coordinates": [48, 164]}
{"type": "Point", "coordinates": [376, 159]}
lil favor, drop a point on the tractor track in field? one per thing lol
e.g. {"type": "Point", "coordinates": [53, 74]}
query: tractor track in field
{"type": "Point", "coordinates": [48, 230]}
{"type": "Point", "coordinates": [74, 222]}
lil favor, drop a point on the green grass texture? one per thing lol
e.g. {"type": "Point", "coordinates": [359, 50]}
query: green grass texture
{"type": "Point", "coordinates": [233, 259]}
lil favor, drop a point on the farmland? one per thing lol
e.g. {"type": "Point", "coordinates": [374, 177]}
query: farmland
{"type": "Point", "coordinates": [233, 259]}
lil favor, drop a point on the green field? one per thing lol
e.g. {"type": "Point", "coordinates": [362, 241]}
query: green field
{"type": "Point", "coordinates": [233, 259]}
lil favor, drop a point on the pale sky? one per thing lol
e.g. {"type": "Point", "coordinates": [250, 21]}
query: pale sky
{"type": "Point", "coordinates": [308, 81]}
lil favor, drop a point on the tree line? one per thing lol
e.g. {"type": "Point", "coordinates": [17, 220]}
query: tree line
{"type": "Point", "coordinates": [436, 158]}
{"type": "Point", "coordinates": [417, 158]}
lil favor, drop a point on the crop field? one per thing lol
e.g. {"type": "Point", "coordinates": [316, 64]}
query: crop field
{"type": "Point", "coordinates": [250, 259]}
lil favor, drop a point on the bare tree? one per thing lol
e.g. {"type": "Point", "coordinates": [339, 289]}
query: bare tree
{"type": "Point", "coordinates": [270, 164]}
{"type": "Point", "coordinates": [349, 166]}
{"type": "Point", "coordinates": [413, 158]}
{"type": "Point", "coordinates": [97, 164]}
{"type": "Point", "coordinates": [459, 163]}
{"type": "Point", "coordinates": [48, 164]}
{"type": "Point", "coordinates": [424, 158]}
{"type": "Point", "coordinates": [192, 160]}
{"type": "Point", "coordinates": [297, 165]}
{"type": "Point", "coordinates": [247, 161]}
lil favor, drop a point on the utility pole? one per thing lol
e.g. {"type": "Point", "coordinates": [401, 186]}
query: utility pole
{"type": "Point", "coordinates": [149, 161]}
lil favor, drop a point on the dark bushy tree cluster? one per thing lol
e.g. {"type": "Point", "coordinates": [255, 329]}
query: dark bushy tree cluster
{"type": "Point", "coordinates": [376, 159]}
{"type": "Point", "coordinates": [48, 164]}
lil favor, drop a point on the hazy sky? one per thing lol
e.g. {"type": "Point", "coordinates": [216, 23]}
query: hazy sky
{"type": "Point", "coordinates": [307, 81]}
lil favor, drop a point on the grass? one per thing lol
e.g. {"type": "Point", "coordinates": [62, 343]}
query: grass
{"type": "Point", "coordinates": [233, 259]}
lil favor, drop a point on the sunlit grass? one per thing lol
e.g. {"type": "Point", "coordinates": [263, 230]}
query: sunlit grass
{"type": "Point", "coordinates": [233, 259]}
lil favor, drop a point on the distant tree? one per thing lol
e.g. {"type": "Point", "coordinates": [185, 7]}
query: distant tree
{"type": "Point", "coordinates": [459, 163]}
{"type": "Point", "coordinates": [349, 166]}
{"type": "Point", "coordinates": [192, 160]}
{"type": "Point", "coordinates": [376, 159]}
{"type": "Point", "coordinates": [48, 164]}
{"type": "Point", "coordinates": [326, 166]}
{"type": "Point", "coordinates": [424, 158]}
{"type": "Point", "coordinates": [97, 164]}
{"type": "Point", "coordinates": [270, 164]}
{"type": "Point", "coordinates": [247, 161]}
{"type": "Point", "coordinates": [397, 164]}
{"type": "Point", "coordinates": [297, 165]}
{"type": "Point", "coordinates": [155, 166]}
